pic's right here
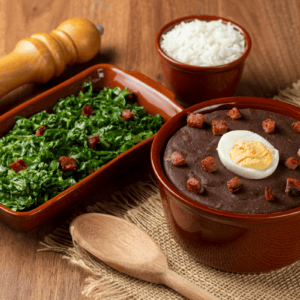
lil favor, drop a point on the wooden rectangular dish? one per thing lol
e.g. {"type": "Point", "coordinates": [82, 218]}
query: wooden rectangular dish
{"type": "Point", "coordinates": [155, 98]}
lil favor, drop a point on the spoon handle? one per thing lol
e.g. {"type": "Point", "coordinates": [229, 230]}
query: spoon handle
{"type": "Point", "coordinates": [185, 287]}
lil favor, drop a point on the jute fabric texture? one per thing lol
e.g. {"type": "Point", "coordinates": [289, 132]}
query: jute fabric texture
{"type": "Point", "coordinates": [140, 203]}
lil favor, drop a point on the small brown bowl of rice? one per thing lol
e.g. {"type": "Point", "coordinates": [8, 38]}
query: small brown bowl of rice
{"type": "Point", "coordinates": [202, 57]}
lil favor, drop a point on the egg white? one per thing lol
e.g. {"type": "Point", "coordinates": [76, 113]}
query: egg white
{"type": "Point", "coordinates": [229, 139]}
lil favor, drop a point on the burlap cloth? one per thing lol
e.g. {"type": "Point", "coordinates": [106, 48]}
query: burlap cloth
{"type": "Point", "coordinates": [106, 283]}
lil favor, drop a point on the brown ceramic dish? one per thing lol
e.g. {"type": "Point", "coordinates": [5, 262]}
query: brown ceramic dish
{"type": "Point", "coordinates": [155, 98]}
{"type": "Point", "coordinates": [193, 84]}
{"type": "Point", "coordinates": [225, 240]}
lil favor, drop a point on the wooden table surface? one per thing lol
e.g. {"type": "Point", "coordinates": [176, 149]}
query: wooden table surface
{"type": "Point", "coordinates": [128, 42]}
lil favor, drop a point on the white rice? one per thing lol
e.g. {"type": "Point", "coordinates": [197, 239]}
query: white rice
{"type": "Point", "coordinates": [201, 43]}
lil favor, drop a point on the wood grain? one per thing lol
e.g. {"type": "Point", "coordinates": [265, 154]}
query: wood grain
{"type": "Point", "coordinates": [43, 56]}
{"type": "Point", "coordinates": [124, 246]}
{"type": "Point", "coordinates": [128, 42]}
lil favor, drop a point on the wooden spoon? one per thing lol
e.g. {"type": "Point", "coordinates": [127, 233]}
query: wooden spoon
{"type": "Point", "coordinates": [129, 249]}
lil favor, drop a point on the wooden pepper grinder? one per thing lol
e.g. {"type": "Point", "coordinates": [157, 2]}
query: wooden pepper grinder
{"type": "Point", "coordinates": [43, 56]}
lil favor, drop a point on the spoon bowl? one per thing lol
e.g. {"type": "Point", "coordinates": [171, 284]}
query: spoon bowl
{"type": "Point", "coordinates": [129, 249]}
{"type": "Point", "coordinates": [103, 236]}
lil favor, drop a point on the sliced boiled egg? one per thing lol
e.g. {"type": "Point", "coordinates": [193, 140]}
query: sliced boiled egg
{"type": "Point", "coordinates": [247, 154]}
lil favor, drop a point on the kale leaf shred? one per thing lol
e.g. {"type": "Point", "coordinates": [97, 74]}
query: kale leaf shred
{"type": "Point", "coordinates": [66, 134]}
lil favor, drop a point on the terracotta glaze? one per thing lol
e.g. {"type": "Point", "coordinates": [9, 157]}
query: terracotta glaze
{"type": "Point", "coordinates": [225, 240]}
{"type": "Point", "coordinates": [155, 98]}
{"type": "Point", "coordinates": [194, 84]}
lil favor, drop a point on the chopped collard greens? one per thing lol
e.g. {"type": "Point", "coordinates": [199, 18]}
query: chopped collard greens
{"type": "Point", "coordinates": [67, 130]}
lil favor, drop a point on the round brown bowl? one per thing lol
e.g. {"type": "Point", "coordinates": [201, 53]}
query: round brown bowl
{"type": "Point", "coordinates": [193, 84]}
{"type": "Point", "coordinates": [225, 240]}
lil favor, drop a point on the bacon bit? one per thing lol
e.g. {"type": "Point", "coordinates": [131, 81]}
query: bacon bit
{"type": "Point", "coordinates": [87, 110]}
{"type": "Point", "coordinates": [127, 114]}
{"type": "Point", "coordinates": [40, 131]}
{"type": "Point", "coordinates": [177, 159]}
{"type": "Point", "coordinates": [219, 127]}
{"type": "Point", "coordinates": [234, 113]}
{"type": "Point", "coordinates": [292, 163]}
{"type": "Point", "coordinates": [269, 194]}
{"type": "Point", "coordinates": [296, 126]}
{"type": "Point", "coordinates": [209, 164]}
{"type": "Point", "coordinates": [67, 163]}
{"type": "Point", "coordinates": [18, 165]}
{"type": "Point", "coordinates": [195, 186]}
{"type": "Point", "coordinates": [195, 120]}
{"type": "Point", "coordinates": [292, 187]}
{"type": "Point", "coordinates": [234, 184]}
{"type": "Point", "coordinates": [268, 125]}
{"type": "Point", "coordinates": [93, 141]}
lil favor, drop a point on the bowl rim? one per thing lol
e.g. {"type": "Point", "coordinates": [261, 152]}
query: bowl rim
{"type": "Point", "coordinates": [159, 144]}
{"type": "Point", "coordinates": [187, 67]}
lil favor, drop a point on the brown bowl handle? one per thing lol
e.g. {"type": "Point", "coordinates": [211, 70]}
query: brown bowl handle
{"type": "Point", "coordinates": [42, 56]}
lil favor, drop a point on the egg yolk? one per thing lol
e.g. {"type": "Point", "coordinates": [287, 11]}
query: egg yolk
{"type": "Point", "coordinates": [251, 154]}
